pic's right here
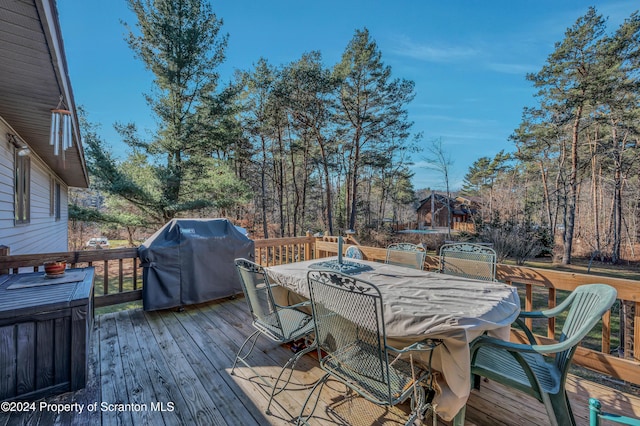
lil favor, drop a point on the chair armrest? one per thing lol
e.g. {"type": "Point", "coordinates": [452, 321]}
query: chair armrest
{"type": "Point", "coordinates": [485, 340]}
{"type": "Point", "coordinates": [547, 313]}
{"type": "Point", "coordinates": [550, 313]}
{"type": "Point", "coordinates": [533, 314]}
{"type": "Point", "coordinates": [527, 331]}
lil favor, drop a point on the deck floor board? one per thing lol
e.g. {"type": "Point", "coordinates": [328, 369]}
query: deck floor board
{"type": "Point", "coordinates": [137, 379]}
{"type": "Point", "coordinates": [112, 352]}
{"type": "Point", "coordinates": [185, 357]}
{"type": "Point", "coordinates": [164, 388]}
{"type": "Point", "coordinates": [196, 396]}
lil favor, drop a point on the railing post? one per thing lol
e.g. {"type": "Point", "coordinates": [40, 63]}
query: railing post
{"type": "Point", "coordinates": [4, 251]}
{"type": "Point", "coordinates": [319, 253]}
{"type": "Point", "coordinates": [636, 332]}
{"type": "Point", "coordinates": [551, 322]}
{"type": "Point", "coordinates": [606, 332]}
{"type": "Point", "coordinates": [307, 246]}
{"type": "Point", "coordinates": [528, 304]}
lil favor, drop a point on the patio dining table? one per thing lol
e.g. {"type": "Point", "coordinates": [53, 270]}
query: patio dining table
{"type": "Point", "coordinates": [421, 304]}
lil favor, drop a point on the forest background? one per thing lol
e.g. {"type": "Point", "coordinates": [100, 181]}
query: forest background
{"type": "Point", "coordinates": [303, 146]}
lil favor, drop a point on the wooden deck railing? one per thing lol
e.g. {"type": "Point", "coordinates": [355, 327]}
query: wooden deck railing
{"type": "Point", "coordinates": [276, 251]}
{"type": "Point", "coordinates": [118, 280]}
{"type": "Point", "coordinates": [118, 274]}
{"type": "Point", "coordinates": [463, 226]}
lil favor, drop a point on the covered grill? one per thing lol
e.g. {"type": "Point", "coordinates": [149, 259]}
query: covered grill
{"type": "Point", "coordinates": [192, 261]}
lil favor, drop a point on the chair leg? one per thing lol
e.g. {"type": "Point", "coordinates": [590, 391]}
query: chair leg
{"type": "Point", "coordinates": [476, 381]}
{"type": "Point", "coordinates": [290, 365]}
{"type": "Point", "coordinates": [319, 385]}
{"type": "Point", "coordinates": [419, 407]}
{"type": "Point", "coordinates": [254, 336]}
{"type": "Point", "coordinates": [458, 420]}
{"type": "Point", "coordinates": [559, 410]}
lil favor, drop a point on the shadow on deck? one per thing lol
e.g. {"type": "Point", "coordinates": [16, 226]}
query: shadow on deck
{"type": "Point", "coordinates": [172, 368]}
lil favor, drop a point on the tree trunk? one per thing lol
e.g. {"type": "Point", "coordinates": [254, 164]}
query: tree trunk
{"type": "Point", "coordinates": [130, 231]}
{"type": "Point", "coordinates": [263, 189]}
{"type": "Point", "coordinates": [296, 193]}
{"type": "Point", "coordinates": [327, 185]}
{"type": "Point", "coordinates": [278, 179]}
{"type": "Point", "coordinates": [617, 218]}
{"type": "Point", "coordinates": [573, 190]}
{"type": "Point", "coordinates": [305, 184]}
{"type": "Point", "coordinates": [617, 193]}
{"type": "Point", "coordinates": [354, 187]}
{"type": "Point", "coordinates": [596, 210]}
{"type": "Point", "coordinates": [433, 208]}
{"type": "Point", "coordinates": [545, 191]}
{"type": "Point", "coordinates": [448, 207]}
{"type": "Point", "coordinates": [561, 195]}
{"type": "Point", "coordinates": [594, 192]}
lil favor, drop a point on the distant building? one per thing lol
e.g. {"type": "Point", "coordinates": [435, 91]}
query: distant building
{"type": "Point", "coordinates": [36, 169]}
{"type": "Point", "coordinates": [432, 211]}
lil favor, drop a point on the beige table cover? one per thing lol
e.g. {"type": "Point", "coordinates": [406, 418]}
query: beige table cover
{"type": "Point", "coordinates": [420, 304]}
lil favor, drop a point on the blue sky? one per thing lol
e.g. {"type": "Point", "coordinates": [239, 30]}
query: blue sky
{"type": "Point", "coordinates": [468, 59]}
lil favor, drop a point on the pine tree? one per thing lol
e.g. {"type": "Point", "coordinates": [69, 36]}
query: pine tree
{"type": "Point", "coordinates": [181, 44]}
{"type": "Point", "coordinates": [371, 109]}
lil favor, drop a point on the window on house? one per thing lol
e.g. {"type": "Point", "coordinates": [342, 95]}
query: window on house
{"type": "Point", "coordinates": [22, 188]}
{"type": "Point", "coordinates": [54, 197]}
{"type": "Point", "coordinates": [57, 197]}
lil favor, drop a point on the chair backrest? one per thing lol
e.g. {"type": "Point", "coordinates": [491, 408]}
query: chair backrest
{"type": "Point", "coordinates": [406, 254]}
{"type": "Point", "coordinates": [348, 317]}
{"type": "Point", "coordinates": [257, 292]}
{"type": "Point", "coordinates": [468, 260]}
{"type": "Point", "coordinates": [353, 252]}
{"type": "Point", "coordinates": [587, 304]}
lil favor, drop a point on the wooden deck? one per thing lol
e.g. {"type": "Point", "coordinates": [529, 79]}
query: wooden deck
{"type": "Point", "coordinates": [172, 368]}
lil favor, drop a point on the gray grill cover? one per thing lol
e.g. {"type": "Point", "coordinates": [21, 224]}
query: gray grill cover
{"type": "Point", "coordinates": [191, 261]}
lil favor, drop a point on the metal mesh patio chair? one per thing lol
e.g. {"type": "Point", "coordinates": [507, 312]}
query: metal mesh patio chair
{"type": "Point", "coordinates": [468, 261]}
{"type": "Point", "coordinates": [531, 368]}
{"type": "Point", "coordinates": [596, 414]}
{"type": "Point", "coordinates": [282, 324]}
{"type": "Point", "coordinates": [352, 346]}
{"type": "Point", "coordinates": [406, 254]}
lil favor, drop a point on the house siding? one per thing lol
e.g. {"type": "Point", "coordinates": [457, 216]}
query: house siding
{"type": "Point", "coordinates": [43, 234]}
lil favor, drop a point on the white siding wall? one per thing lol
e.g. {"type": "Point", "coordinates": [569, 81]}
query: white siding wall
{"type": "Point", "coordinates": [44, 234]}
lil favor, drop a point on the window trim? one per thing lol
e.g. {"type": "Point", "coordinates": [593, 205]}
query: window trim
{"type": "Point", "coordinates": [55, 190]}
{"type": "Point", "coordinates": [58, 197]}
{"type": "Point", "coordinates": [52, 206]}
{"type": "Point", "coordinates": [22, 189]}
